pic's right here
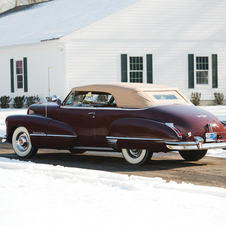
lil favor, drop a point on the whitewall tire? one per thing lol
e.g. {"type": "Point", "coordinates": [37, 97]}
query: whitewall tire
{"type": "Point", "coordinates": [22, 144]}
{"type": "Point", "coordinates": [137, 156]}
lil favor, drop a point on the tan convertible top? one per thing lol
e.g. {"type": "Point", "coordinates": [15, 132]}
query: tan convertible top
{"type": "Point", "coordinates": [132, 95]}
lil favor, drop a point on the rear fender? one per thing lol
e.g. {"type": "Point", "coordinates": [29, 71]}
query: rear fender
{"type": "Point", "coordinates": [140, 133]}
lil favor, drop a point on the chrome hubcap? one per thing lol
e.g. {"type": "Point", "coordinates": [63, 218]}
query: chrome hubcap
{"type": "Point", "coordinates": [134, 153]}
{"type": "Point", "coordinates": [22, 142]}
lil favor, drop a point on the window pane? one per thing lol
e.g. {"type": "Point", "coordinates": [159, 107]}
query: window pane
{"type": "Point", "coordinates": [201, 77]}
{"type": "Point", "coordinates": [19, 82]}
{"type": "Point", "coordinates": [19, 67]}
{"type": "Point", "coordinates": [202, 63]}
{"type": "Point", "coordinates": [164, 97]}
{"type": "Point", "coordinates": [136, 77]}
{"type": "Point", "coordinates": [136, 69]}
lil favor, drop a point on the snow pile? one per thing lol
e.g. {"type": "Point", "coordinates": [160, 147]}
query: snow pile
{"type": "Point", "coordinates": [36, 194]}
{"type": "Point", "coordinates": [6, 112]}
{"type": "Point", "coordinates": [54, 19]}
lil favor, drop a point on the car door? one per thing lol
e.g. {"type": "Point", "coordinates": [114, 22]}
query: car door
{"type": "Point", "coordinates": [80, 114]}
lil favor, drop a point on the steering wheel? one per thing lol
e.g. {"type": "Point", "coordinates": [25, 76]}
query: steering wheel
{"type": "Point", "coordinates": [83, 100]}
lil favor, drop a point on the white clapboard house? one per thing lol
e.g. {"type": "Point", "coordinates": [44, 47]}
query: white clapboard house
{"type": "Point", "coordinates": [48, 48]}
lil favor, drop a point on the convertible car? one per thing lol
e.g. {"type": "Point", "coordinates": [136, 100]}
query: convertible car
{"type": "Point", "coordinates": [135, 119]}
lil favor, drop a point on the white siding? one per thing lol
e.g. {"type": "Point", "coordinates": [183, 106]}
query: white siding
{"type": "Point", "coordinates": [40, 57]}
{"type": "Point", "coordinates": [170, 30]}
{"type": "Point", "coordinates": [99, 61]}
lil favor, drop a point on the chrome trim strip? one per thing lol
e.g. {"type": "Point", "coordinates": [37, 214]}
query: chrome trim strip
{"type": "Point", "coordinates": [188, 146]}
{"type": "Point", "coordinates": [105, 108]}
{"type": "Point", "coordinates": [94, 148]}
{"type": "Point", "coordinates": [51, 135]}
{"type": "Point", "coordinates": [56, 135]}
{"type": "Point", "coordinates": [4, 138]}
{"type": "Point", "coordinates": [134, 138]}
{"type": "Point", "coordinates": [37, 135]}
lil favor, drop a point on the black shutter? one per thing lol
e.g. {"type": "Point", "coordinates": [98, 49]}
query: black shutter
{"type": "Point", "coordinates": [191, 83]}
{"type": "Point", "coordinates": [123, 67]}
{"type": "Point", "coordinates": [12, 75]}
{"type": "Point", "coordinates": [149, 68]}
{"type": "Point", "coordinates": [214, 71]}
{"type": "Point", "coordinates": [25, 75]}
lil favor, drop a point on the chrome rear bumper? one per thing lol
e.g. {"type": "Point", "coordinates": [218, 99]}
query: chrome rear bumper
{"type": "Point", "coordinates": [198, 144]}
{"type": "Point", "coordinates": [4, 138]}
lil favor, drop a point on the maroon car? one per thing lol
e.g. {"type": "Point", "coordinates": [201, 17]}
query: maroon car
{"type": "Point", "coordinates": [135, 119]}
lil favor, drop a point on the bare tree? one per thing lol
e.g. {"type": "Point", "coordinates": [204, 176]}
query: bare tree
{"type": "Point", "coordinates": [8, 4]}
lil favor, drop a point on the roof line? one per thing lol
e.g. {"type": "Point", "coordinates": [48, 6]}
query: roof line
{"type": "Point", "coordinates": [100, 19]}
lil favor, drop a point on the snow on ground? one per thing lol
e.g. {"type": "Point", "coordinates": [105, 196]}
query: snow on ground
{"type": "Point", "coordinates": [38, 194]}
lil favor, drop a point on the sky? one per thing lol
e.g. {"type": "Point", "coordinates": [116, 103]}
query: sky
{"type": "Point", "coordinates": [38, 194]}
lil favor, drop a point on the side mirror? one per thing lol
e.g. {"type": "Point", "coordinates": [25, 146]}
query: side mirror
{"type": "Point", "coordinates": [56, 99]}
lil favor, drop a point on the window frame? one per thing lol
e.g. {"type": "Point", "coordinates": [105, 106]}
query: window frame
{"type": "Point", "coordinates": [144, 71]}
{"type": "Point", "coordinates": [91, 104]}
{"type": "Point", "coordinates": [16, 75]}
{"type": "Point", "coordinates": [197, 70]}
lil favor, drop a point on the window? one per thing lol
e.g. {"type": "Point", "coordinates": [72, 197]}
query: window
{"type": "Point", "coordinates": [19, 74]}
{"type": "Point", "coordinates": [202, 70]}
{"type": "Point", "coordinates": [164, 97]}
{"type": "Point", "coordinates": [90, 99]}
{"type": "Point", "coordinates": [136, 69]}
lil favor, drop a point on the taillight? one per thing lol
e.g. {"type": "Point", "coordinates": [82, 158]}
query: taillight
{"type": "Point", "coordinates": [177, 131]}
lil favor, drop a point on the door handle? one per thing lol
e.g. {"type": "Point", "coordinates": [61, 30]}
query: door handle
{"type": "Point", "coordinates": [92, 113]}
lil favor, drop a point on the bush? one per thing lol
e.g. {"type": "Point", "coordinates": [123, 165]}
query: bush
{"type": "Point", "coordinates": [49, 99]}
{"type": "Point", "coordinates": [5, 101]}
{"type": "Point", "coordinates": [19, 102]}
{"type": "Point", "coordinates": [32, 99]}
{"type": "Point", "coordinates": [219, 97]}
{"type": "Point", "coordinates": [195, 98]}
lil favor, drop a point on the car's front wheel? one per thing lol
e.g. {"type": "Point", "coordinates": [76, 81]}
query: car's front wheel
{"type": "Point", "coordinates": [193, 155]}
{"type": "Point", "coordinates": [137, 156]}
{"type": "Point", "coordinates": [22, 144]}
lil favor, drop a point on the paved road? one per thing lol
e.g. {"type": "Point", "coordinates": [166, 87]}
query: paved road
{"type": "Point", "coordinates": [171, 167]}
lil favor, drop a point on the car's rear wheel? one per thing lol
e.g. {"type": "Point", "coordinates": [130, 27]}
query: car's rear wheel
{"type": "Point", "coordinates": [137, 156]}
{"type": "Point", "coordinates": [22, 144]}
{"type": "Point", "coordinates": [193, 155]}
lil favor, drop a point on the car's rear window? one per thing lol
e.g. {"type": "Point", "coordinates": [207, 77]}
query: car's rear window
{"type": "Point", "coordinates": [164, 97]}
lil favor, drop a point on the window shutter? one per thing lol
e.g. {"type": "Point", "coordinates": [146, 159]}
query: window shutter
{"type": "Point", "coordinates": [191, 71]}
{"type": "Point", "coordinates": [214, 71]}
{"type": "Point", "coordinates": [149, 68]}
{"type": "Point", "coordinates": [12, 75]}
{"type": "Point", "coordinates": [25, 75]}
{"type": "Point", "coordinates": [123, 67]}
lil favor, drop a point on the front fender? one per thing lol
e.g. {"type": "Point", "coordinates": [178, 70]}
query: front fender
{"type": "Point", "coordinates": [44, 132]}
{"type": "Point", "coordinates": [33, 123]}
{"type": "Point", "coordinates": [140, 133]}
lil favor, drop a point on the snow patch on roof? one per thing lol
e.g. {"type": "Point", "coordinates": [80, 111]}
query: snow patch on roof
{"type": "Point", "coordinates": [54, 19]}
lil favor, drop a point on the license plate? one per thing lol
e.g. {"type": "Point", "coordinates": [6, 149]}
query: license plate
{"type": "Point", "coordinates": [211, 137]}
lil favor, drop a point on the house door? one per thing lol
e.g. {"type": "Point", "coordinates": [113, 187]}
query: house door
{"type": "Point", "coordinates": [51, 81]}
